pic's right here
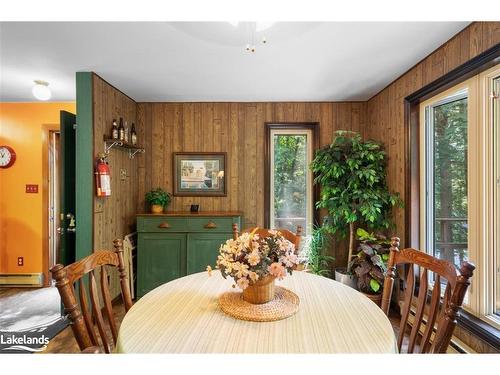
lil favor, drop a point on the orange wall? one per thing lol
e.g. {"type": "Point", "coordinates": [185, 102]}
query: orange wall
{"type": "Point", "coordinates": [21, 213]}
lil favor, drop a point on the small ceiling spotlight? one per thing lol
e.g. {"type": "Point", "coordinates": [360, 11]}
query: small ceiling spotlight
{"type": "Point", "coordinates": [41, 90]}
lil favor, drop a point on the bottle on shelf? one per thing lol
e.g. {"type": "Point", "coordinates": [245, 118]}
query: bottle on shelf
{"type": "Point", "coordinates": [126, 133]}
{"type": "Point", "coordinates": [121, 130]}
{"type": "Point", "coordinates": [114, 130]}
{"type": "Point", "coordinates": [133, 135]}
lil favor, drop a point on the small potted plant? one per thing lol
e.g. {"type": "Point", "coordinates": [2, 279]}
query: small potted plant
{"type": "Point", "coordinates": [318, 262]}
{"type": "Point", "coordinates": [158, 199]}
{"type": "Point", "coordinates": [369, 264]}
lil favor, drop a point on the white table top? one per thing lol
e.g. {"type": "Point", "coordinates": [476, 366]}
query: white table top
{"type": "Point", "coordinates": [183, 316]}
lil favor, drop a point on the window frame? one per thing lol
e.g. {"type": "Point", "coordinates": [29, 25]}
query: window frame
{"type": "Point", "coordinates": [482, 215]}
{"type": "Point", "coordinates": [469, 90]}
{"type": "Point", "coordinates": [287, 126]}
{"type": "Point", "coordinates": [482, 328]}
{"type": "Point", "coordinates": [489, 261]}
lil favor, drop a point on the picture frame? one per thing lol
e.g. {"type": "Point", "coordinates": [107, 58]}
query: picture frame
{"type": "Point", "coordinates": [199, 174]}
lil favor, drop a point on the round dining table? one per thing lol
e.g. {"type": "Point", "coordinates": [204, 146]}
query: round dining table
{"type": "Point", "coordinates": [183, 316]}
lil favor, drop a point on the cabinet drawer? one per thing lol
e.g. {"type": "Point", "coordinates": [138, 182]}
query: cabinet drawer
{"type": "Point", "coordinates": [211, 224]}
{"type": "Point", "coordinates": [162, 224]}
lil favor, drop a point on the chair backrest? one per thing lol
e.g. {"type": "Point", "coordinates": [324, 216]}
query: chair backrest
{"type": "Point", "coordinates": [442, 318]}
{"type": "Point", "coordinates": [71, 278]}
{"type": "Point", "coordinates": [263, 232]}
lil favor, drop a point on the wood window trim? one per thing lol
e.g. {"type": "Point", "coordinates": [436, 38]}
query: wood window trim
{"type": "Point", "coordinates": [473, 67]}
{"type": "Point", "coordinates": [314, 127]}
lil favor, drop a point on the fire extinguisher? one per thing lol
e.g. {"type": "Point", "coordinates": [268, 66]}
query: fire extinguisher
{"type": "Point", "coordinates": [102, 178]}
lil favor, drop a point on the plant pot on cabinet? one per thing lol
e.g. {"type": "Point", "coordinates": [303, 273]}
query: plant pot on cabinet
{"type": "Point", "coordinates": [261, 291]}
{"type": "Point", "coordinates": [156, 208]}
{"type": "Point", "coordinates": [343, 277]}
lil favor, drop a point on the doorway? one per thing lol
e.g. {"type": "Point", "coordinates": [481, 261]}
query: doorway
{"type": "Point", "coordinates": [50, 197]}
{"type": "Point", "coordinates": [54, 197]}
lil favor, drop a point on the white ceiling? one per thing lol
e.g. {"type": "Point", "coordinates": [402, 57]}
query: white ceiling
{"type": "Point", "coordinates": [207, 61]}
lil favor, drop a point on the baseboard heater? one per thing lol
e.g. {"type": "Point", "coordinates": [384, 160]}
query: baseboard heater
{"type": "Point", "coordinates": [21, 279]}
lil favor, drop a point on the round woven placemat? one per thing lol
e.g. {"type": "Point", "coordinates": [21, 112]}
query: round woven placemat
{"type": "Point", "coordinates": [284, 304]}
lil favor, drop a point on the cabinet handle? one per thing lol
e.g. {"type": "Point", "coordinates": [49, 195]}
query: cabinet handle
{"type": "Point", "coordinates": [164, 225]}
{"type": "Point", "coordinates": [210, 225]}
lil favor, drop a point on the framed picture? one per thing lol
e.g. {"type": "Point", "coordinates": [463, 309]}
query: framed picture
{"type": "Point", "coordinates": [200, 174]}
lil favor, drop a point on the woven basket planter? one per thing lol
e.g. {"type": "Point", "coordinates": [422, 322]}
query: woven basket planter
{"type": "Point", "coordinates": [262, 291]}
{"type": "Point", "coordinates": [377, 298]}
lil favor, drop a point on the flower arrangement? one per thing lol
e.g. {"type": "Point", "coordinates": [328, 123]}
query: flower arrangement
{"type": "Point", "coordinates": [251, 257]}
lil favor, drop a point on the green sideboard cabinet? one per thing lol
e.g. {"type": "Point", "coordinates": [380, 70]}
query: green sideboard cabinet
{"type": "Point", "coordinates": [177, 244]}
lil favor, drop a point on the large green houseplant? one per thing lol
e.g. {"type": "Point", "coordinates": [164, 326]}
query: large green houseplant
{"type": "Point", "coordinates": [352, 175]}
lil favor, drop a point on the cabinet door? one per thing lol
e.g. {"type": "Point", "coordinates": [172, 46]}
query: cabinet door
{"type": "Point", "coordinates": [202, 250]}
{"type": "Point", "coordinates": [160, 258]}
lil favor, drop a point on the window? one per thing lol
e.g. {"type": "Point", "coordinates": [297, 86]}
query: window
{"type": "Point", "coordinates": [290, 198]}
{"type": "Point", "coordinates": [446, 175]}
{"type": "Point", "coordinates": [460, 185]}
{"type": "Point", "coordinates": [491, 82]}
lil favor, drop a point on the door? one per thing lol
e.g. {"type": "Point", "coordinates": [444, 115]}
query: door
{"type": "Point", "coordinates": [161, 258]}
{"type": "Point", "coordinates": [67, 227]}
{"type": "Point", "coordinates": [202, 250]}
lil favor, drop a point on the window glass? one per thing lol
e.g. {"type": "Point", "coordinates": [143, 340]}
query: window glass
{"type": "Point", "coordinates": [448, 193]}
{"type": "Point", "coordinates": [496, 189]}
{"type": "Point", "coordinates": [291, 180]}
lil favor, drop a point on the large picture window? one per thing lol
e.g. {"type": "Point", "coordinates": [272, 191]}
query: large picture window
{"type": "Point", "coordinates": [460, 184]}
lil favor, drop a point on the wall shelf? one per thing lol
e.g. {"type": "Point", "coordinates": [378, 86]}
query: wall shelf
{"type": "Point", "coordinates": [110, 143]}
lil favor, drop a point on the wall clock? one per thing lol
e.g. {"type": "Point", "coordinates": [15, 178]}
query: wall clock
{"type": "Point", "coordinates": [7, 156]}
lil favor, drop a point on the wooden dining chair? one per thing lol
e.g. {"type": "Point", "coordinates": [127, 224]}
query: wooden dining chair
{"type": "Point", "coordinates": [438, 314]}
{"type": "Point", "coordinates": [71, 278]}
{"type": "Point", "coordinates": [263, 232]}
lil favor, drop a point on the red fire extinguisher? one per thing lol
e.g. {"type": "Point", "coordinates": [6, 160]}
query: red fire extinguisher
{"type": "Point", "coordinates": [102, 178]}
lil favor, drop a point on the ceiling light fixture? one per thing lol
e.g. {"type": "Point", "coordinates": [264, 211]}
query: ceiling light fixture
{"type": "Point", "coordinates": [252, 29]}
{"type": "Point", "coordinates": [41, 90]}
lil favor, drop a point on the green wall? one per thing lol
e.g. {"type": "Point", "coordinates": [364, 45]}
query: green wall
{"type": "Point", "coordinates": [84, 164]}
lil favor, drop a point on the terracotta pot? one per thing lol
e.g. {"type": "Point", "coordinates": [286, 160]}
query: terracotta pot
{"type": "Point", "coordinates": [377, 298]}
{"type": "Point", "coordinates": [156, 208]}
{"type": "Point", "coordinates": [261, 291]}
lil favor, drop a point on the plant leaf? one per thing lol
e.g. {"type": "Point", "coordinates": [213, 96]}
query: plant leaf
{"type": "Point", "coordinates": [374, 285]}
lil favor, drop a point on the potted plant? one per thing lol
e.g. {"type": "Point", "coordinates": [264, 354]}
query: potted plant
{"type": "Point", "coordinates": [158, 199]}
{"type": "Point", "coordinates": [317, 262]}
{"type": "Point", "coordinates": [352, 175]}
{"type": "Point", "coordinates": [370, 263]}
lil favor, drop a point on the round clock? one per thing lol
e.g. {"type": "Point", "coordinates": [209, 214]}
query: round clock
{"type": "Point", "coordinates": [7, 156]}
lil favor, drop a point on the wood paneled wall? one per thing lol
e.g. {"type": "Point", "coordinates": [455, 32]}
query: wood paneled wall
{"type": "Point", "coordinates": [114, 216]}
{"type": "Point", "coordinates": [236, 128]}
{"type": "Point", "coordinates": [385, 111]}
